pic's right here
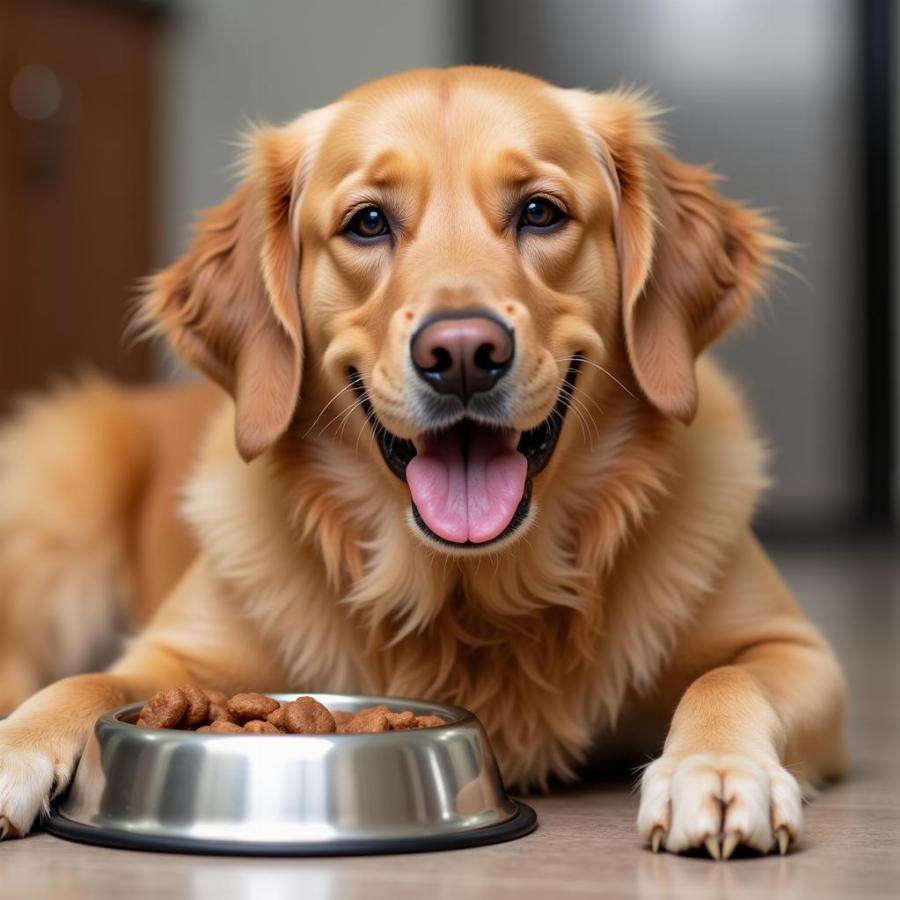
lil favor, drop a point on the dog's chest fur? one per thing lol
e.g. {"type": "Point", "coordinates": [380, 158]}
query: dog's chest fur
{"type": "Point", "coordinates": [542, 641]}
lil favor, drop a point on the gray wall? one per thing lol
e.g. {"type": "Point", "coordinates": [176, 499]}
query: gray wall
{"type": "Point", "coordinates": [766, 90]}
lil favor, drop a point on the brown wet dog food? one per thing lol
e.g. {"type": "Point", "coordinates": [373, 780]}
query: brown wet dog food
{"type": "Point", "coordinates": [190, 708]}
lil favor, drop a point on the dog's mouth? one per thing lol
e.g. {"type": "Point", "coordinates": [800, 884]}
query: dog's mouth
{"type": "Point", "coordinates": [470, 484]}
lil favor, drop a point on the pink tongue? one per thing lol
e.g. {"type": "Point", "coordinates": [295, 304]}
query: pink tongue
{"type": "Point", "coordinates": [467, 499]}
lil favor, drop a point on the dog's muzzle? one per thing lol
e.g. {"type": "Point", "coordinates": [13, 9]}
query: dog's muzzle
{"type": "Point", "coordinates": [470, 483]}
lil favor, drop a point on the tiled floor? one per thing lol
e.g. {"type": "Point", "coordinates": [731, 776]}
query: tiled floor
{"type": "Point", "coordinates": [586, 844]}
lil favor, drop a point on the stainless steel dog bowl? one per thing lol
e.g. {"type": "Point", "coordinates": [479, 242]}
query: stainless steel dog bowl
{"type": "Point", "coordinates": [399, 791]}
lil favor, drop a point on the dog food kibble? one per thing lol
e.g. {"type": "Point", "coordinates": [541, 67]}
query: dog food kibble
{"type": "Point", "coordinates": [219, 698]}
{"type": "Point", "coordinates": [197, 709]}
{"type": "Point", "coordinates": [219, 713]}
{"type": "Point", "coordinates": [341, 718]}
{"type": "Point", "coordinates": [367, 723]}
{"type": "Point", "coordinates": [190, 708]}
{"type": "Point", "coordinates": [245, 707]}
{"type": "Point", "coordinates": [429, 722]}
{"type": "Point", "coordinates": [222, 727]}
{"type": "Point", "coordinates": [307, 716]}
{"type": "Point", "coordinates": [259, 726]}
{"type": "Point", "coordinates": [401, 721]}
{"type": "Point", "coordinates": [164, 710]}
{"type": "Point", "coordinates": [371, 720]}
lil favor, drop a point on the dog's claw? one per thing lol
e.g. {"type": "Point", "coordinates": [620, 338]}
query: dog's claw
{"type": "Point", "coordinates": [656, 838]}
{"type": "Point", "coordinates": [732, 839]}
{"type": "Point", "coordinates": [784, 840]}
{"type": "Point", "coordinates": [712, 847]}
{"type": "Point", "coordinates": [4, 829]}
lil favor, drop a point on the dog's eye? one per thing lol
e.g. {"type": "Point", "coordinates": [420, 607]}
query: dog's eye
{"type": "Point", "coordinates": [368, 223]}
{"type": "Point", "coordinates": [539, 212]}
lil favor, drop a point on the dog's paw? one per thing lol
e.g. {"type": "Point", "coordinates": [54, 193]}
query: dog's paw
{"type": "Point", "coordinates": [28, 779]}
{"type": "Point", "coordinates": [720, 803]}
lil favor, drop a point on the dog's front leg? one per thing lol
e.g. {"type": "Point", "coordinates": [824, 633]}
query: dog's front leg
{"type": "Point", "coordinates": [195, 637]}
{"type": "Point", "coordinates": [723, 778]}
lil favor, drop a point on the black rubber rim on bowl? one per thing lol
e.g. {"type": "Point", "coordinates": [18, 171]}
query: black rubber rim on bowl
{"type": "Point", "coordinates": [523, 822]}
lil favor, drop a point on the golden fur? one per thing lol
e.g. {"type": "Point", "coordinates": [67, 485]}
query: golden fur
{"type": "Point", "coordinates": [633, 596]}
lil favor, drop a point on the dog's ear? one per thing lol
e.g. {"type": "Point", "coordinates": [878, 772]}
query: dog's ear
{"type": "Point", "coordinates": [230, 306]}
{"type": "Point", "coordinates": [690, 260]}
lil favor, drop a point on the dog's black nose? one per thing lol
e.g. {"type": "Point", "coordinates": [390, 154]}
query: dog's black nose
{"type": "Point", "coordinates": [462, 353]}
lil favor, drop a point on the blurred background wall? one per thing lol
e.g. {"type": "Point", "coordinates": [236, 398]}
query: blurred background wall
{"type": "Point", "coordinates": [774, 93]}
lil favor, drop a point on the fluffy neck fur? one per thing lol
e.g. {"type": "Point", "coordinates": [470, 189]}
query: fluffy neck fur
{"type": "Point", "coordinates": [541, 640]}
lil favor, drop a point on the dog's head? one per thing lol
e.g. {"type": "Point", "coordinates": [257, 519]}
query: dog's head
{"type": "Point", "coordinates": [472, 263]}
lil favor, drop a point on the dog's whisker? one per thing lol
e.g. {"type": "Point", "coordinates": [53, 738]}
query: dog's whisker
{"type": "Point", "coordinates": [586, 396]}
{"type": "Point", "coordinates": [370, 423]}
{"type": "Point", "coordinates": [572, 403]}
{"type": "Point", "coordinates": [580, 409]}
{"type": "Point", "coordinates": [557, 421]}
{"type": "Point", "coordinates": [373, 432]}
{"type": "Point", "coordinates": [376, 428]}
{"type": "Point", "coordinates": [591, 421]}
{"type": "Point", "coordinates": [605, 371]}
{"type": "Point", "coordinates": [353, 383]}
{"type": "Point", "coordinates": [342, 415]}
{"type": "Point", "coordinates": [577, 412]}
{"type": "Point", "coordinates": [362, 427]}
{"type": "Point", "coordinates": [346, 419]}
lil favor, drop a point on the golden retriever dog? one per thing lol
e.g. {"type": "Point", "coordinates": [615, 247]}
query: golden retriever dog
{"type": "Point", "coordinates": [467, 449]}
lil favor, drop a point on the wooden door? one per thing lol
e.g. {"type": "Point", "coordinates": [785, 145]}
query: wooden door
{"type": "Point", "coordinates": [77, 148]}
